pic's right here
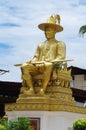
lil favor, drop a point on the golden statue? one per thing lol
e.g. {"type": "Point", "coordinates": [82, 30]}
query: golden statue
{"type": "Point", "coordinates": [47, 54]}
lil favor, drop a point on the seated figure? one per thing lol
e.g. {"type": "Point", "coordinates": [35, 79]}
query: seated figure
{"type": "Point", "coordinates": [47, 54]}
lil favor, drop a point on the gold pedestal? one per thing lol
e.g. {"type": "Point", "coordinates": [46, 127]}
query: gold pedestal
{"type": "Point", "coordinates": [58, 91]}
{"type": "Point", "coordinates": [53, 95]}
{"type": "Point", "coordinates": [58, 97]}
{"type": "Point", "coordinates": [55, 99]}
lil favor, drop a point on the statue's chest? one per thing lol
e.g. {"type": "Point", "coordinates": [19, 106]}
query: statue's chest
{"type": "Point", "coordinates": [49, 48]}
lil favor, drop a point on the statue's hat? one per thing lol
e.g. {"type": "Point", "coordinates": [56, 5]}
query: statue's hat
{"type": "Point", "coordinates": [52, 23]}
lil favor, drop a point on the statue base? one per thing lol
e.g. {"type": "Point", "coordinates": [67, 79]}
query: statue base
{"type": "Point", "coordinates": [55, 99]}
{"type": "Point", "coordinates": [50, 100]}
{"type": "Point", "coordinates": [47, 120]}
{"type": "Point", "coordinates": [58, 97]}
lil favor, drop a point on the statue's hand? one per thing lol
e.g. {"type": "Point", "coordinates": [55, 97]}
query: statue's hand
{"type": "Point", "coordinates": [48, 63]}
{"type": "Point", "coordinates": [28, 62]}
{"type": "Point", "coordinates": [39, 63]}
{"type": "Point", "coordinates": [56, 60]}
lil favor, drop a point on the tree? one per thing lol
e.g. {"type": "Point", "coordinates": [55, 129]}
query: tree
{"type": "Point", "coordinates": [3, 71]}
{"type": "Point", "coordinates": [22, 123]}
{"type": "Point", "coordinates": [79, 124]}
{"type": "Point", "coordinates": [82, 30]}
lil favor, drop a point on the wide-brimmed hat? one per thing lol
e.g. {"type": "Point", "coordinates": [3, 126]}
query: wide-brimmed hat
{"type": "Point", "coordinates": [52, 23]}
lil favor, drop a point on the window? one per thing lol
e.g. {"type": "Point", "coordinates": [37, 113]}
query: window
{"type": "Point", "coordinates": [35, 123]}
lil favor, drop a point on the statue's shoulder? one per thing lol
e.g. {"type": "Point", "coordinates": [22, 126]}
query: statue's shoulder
{"type": "Point", "coordinates": [41, 44]}
{"type": "Point", "coordinates": [61, 43]}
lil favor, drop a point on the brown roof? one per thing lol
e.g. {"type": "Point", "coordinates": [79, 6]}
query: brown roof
{"type": "Point", "coordinates": [77, 70]}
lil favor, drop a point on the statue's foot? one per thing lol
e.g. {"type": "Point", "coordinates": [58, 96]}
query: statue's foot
{"type": "Point", "coordinates": [22, 90]}
{"type": "Point", "coordinates": [41, 92]}
{"type": "Point", "coordinates": [29, 92]}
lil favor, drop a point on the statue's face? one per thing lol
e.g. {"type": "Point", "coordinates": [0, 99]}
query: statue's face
{"type": "Point", "coordinates": [49, 33]}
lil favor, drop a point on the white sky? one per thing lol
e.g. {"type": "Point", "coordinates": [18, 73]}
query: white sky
{"type": "Point", "coordinates": [19, 33]}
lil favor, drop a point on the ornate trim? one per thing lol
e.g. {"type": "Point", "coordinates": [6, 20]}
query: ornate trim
{"type": "Point", "coordinates": [44, 107]}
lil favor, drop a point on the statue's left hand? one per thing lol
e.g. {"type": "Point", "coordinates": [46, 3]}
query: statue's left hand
{"type": "Point", "coordinates": [38, 63]}
{"type": "Point", "coordinates": [55, 60]}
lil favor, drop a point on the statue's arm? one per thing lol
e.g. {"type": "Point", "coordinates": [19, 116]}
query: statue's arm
{"type": "Point", "coordinates": [37, 54]}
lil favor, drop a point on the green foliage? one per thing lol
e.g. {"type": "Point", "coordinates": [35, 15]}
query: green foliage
{"type": "Point", "coordinates": [4, 123]}
{"type": "Point", "coordinates": [22, 123]}
{"type": "Point", "coordinates": [82, 30]}
{"type": "Point", "coordinates": [79, 124]}
{"type": "Point", "coordinates": [57, 65]}
{"type": "Point", "coordinates": [12, 125]}
{"type": "Point", "coordinates": [2, 127]}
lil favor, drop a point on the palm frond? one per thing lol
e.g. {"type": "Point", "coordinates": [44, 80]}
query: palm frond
{"type": "Point", "coordinates": [82, 30]}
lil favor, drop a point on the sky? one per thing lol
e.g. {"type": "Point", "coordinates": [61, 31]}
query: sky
{"type": "Point", "coordinates": [20, 35]}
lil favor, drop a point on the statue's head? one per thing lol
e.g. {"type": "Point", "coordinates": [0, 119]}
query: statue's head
{"type": "Point", "coordinates": [52, 22]}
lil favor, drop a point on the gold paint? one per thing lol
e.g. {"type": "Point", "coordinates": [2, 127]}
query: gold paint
{"type": "Point", "coordinates": [47, 54]}
{"type": "Point", "coordinates": [45, 87]}
{"type": "Point", "coordinates": [44, 107]}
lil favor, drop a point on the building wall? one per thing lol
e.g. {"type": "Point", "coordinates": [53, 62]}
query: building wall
{"type": "Point", "coordinates": [80, 82]}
